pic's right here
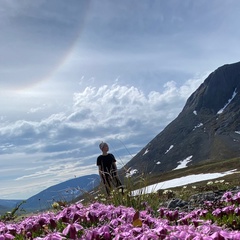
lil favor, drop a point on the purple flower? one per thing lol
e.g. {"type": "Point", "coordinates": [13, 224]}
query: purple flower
{"type": "Point", "coordinates": [236, 236]}
{"type": "Point", "coordinates": [237, 211]}
{"type": "Point", "coordinates": [6, 236]}
{"type": "Point", "coordinates": [228, 210]}
{"type": "Point", "coordinates": [72, 230]}
{"type": "Point", "coordinates": [227, 197]}
{"type": "Point", "coordinates": [218, 236]}
{"type": "Point", "coordinates": [161, 231]}
{"type": "Point", "coordinates": [54, 236]}
{"type": "Point", "coordinates": [110, 222]}
{"type": "Point", "coordinates": [217, 212]}
{"type": "Point", "coordinates": [105, 232]}
{"type": "Point", "coordinates": [161, 212]}
{"type": "Point", "coordinates": [236, 198]}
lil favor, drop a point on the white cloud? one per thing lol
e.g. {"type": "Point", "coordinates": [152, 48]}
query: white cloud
{"type": "Point", "coordinates": [64, 143]}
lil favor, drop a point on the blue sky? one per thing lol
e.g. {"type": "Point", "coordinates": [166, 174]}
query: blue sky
{"type": "Point", "coordinates": [74, 73]}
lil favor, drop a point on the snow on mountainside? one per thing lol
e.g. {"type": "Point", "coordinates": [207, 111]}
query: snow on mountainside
{"type": "Point", "coordinates": [229, 101]}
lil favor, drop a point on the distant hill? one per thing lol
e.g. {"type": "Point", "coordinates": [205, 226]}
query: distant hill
{"type": "Point", "coordinates": [208, 127]}
{"type": "Point", "coordinates": [65, 191]}
{"type": "Point", "coordinates": [7, 205]}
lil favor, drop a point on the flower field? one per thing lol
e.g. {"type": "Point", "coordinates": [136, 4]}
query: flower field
{"type": "Point", "coordinates": [219, 220]}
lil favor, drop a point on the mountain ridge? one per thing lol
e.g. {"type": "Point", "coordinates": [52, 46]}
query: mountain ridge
{"type": "Point", "coordinates": [201, 130]}
{"type": "Point", "coordinates": [64, 191]}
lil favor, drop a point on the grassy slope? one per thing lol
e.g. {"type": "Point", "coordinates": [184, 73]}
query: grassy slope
{"type": "Point", "coordinates": [203, 167]}
{"type": "Point", "coordinates": [209, 166]}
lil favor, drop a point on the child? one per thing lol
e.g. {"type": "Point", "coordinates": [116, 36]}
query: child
{"type": "Point", "coordinates": [106, 163]}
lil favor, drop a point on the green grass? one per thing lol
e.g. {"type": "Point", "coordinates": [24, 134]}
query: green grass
{"type": "Point", "coordinates": [155, 199]}
{"type": "Point", "coordinates": [208, 166]}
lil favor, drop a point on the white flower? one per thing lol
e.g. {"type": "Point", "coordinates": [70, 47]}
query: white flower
{"type": "Point", "coordinates": [167, 191]}
{"type": "Point", "coordinates": [210, 183]}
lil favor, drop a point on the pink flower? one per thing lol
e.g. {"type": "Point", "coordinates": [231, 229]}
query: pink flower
{"type": "Point", "coordinates": [237, 211]}
{"type": "Point", "coordinates": [72, 230]}
{"type": "Point", "coordinates": [218, 236]}
{"type": "Point", "coordinates": [227, 197]}
{"type": "Point", "coordinates": [6, 236]}
{"type": "Point", "coordinates": [53, 236]}
{"type": "Point", "coordinates": [217, 212]}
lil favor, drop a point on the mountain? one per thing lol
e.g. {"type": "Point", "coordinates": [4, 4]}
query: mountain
{"type": "Point", "coordinates": [207, 128]}
{"type": "Point", "coordinates": [64, 192]}
{"type": "Point", "coordinates": [8, 205]}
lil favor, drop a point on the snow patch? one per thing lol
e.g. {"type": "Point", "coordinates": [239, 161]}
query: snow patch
{"type": "Point", "coordinates": [182, 181]}
{"type": "Point", "coordinates": [229, 101]}
{"type": "Point", "coordinates": [195, 112]}
{"type": "Point", "coordinates": [147, 150]}
{"type": "Point", "coordinates": [169, 149]}
{"type": "Point", "coordinates": [158, 162]}
{"type": "Point", "coordinates": [238, 132]}
{"type": "Point", "coordinates": [199, 125]}
{"type": "Point", "coordinates": [183, 163]}
{"type": "Point", "coordinates": [130, 172]}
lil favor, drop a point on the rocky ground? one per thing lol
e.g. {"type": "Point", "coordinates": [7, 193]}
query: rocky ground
{"type": "Point", "coordinates": [198, 200]}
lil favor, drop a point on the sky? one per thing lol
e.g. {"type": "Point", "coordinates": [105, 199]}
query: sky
{"type": "Point", "coordinates": [75, 73]}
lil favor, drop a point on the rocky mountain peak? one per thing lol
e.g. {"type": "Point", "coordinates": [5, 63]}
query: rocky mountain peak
{"type": "Point", "coordinates": [208, 127]}
{"type": "Point", "coordinates": [216, 90]}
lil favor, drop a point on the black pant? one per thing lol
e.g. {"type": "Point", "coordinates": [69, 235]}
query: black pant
{"type": "Point", "coordinates": [111, 179]}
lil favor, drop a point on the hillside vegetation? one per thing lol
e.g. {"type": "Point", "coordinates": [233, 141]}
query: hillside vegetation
{"type": "Point", "coordinates": [208, 166]}
{"type": "Point", "coordinates": [142, 180]}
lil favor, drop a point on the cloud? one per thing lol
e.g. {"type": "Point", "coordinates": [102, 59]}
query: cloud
{"type": "Point", "coordinates": [64, 144]}
{"type": "Point", "coordinates": [108, 109]}
{"type": "Point", "coordinates": [43, 34]}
